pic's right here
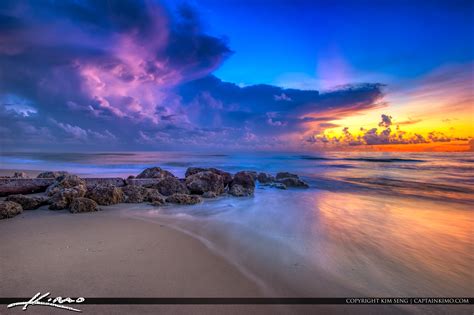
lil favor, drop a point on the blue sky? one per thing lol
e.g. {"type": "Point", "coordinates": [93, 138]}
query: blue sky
{"type": "Point", "coordinates": [234, 74]}
{"type": "Point", "coordinates": [386, 40]}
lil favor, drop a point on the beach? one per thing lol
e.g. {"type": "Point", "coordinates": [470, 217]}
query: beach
{"type": "Point", "coordinates": [236, 157]}
{"type": "Point", "coordinates": [106, 254]}
{"type": "Point", "coordinates": [382, 235]}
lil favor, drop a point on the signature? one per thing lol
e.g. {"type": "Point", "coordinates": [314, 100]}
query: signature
{"type": "Point", "coordinates": [45, 300]}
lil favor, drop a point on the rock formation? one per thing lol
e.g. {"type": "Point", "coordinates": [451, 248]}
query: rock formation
{"type": "Point", "coordinates": [153, 185]}
{"type": "Point", "coordinates": [82, 204]}
{"type": "Point", "coordinates": [169, 185]}
{"type": "Point", "coordinates": [106, 195]}
{"type": "Point", "coordinates": [265, 178]}
{"type": "Point", "coordinates": [243, 184]}
{"type": "Point", "coordinates": [184, 199]}
{"type": "Point", "coordinates": [54, 174]}
{"type": "Point", "coordinates": [155, 172]}
{"type": "Point", "coordinates": [290, 180]}
{"type": "Point", "coordinates": [20, 175]}
{"type": "Point", "coordinates": [9, 209]}
{"type": "Point", "coordinates": [64, 190]}
{"type": "Point", "coordinates": [28, 202]}
{"type": "Point", "coordinates": [206, 181]}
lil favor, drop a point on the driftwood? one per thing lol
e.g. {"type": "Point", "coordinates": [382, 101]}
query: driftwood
{"type": "Point", "coordinates": [11, 186]}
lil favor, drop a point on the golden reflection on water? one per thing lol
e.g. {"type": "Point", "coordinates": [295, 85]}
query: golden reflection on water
{"type": "Point", "coordinates": [407, 247]}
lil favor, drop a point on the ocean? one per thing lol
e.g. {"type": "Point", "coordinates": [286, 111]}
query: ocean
{"type": "Point", "coordinates": [372, 224]}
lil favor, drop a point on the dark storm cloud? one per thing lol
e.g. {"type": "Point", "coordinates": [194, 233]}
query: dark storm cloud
{"type": "Point", "coordinates": [213, 102]}
{"type": "Point", "coordinates": [132, 74]}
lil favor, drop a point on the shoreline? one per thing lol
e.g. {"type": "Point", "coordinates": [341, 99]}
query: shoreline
{"type": "Point", "coordinates": [88, 255]}
{"type": "Point", "coordinates": [239, 247]}
{"type": "Point", "coordinates": [112, 254]}
{"type": "Point", "coordinates": [104, 240]}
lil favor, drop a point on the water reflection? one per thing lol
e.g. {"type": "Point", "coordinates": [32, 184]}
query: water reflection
{"type": "Point", "coordinates": [320, 243]}
{"type": "Point", "coordinates": [404, 247]}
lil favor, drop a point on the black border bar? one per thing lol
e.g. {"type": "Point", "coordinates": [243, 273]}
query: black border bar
{"type": "Point", "coordinates": [261, 301]}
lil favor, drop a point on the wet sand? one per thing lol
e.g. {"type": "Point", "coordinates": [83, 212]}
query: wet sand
{"type": "Point", "coordinates": [106, 254]}
{"type": "Point", "coordinates": [128, 251]}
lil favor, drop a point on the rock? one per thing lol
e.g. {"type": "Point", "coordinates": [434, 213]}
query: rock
{"type": "Point", "coordinates": [62, 182]}
{"type": "Point", "coordinates": [114, 181]}
{"type": "Point", "coordinates": [253, 174]}
{"type": "Point", "coordinates": [242, 184]}
{"type": "Point", "coordinates": [9, 209]}
{"type": "Point", "coordinates": [169, 186]}
{"type": "Point", "coordinates": [155, 172]}
{"type": "Point", "coordinates": [158, 201]}
{"type": "Point", "coordinates": [293, 182]}
{"type": "Point", "coordinates": [184, 199]}
{"type": "Point", "coordinates": [153, 195]}
{"type": "Point", "coordinates": [239, 191]}
{"type": "Point", "coordinates": [54, 174]}
{"type": "Point", "coordinates": [244, 178]}
{"type": "Point", "coordinates": [28, 202]}
{"type": "Point", "coordinates": [206, 181]}
{"type": "Point", "coordinates": [209, 194]}
{"type": "Point", "coordinates": [20, 175]}
{"type": "Point", "coordinates": [142, 181]}
{"type": "Point", "coordinates": [282, 175]}
{"type": "Point", "coordinates": [290, 180]}
{"type": "Point", "coordinates": [138, 194]}
{"type": "Point", "coordinates": [83, 205]}
{"type": "Point", "coordinates": [135, 194]}
{"type": "Point", "coordinates": [131, 177]}
{"type": "Point", "coordinates": [227, 177]}
{"type": "Point", "coordinates": [265, 178]}
{"type": "Point", "coordinates": [64, 190]}
{"type": "Point", "coordinates": [278, 185]}
{"type": "Point", "coordinates": [194, 170]}
{"type": "Point", "coordinates": [106, 195]}
{"type": "Point", "coordinates": [63, 198]}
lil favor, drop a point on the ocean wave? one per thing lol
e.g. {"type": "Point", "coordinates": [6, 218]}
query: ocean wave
{"type": "Point", "coordinates": [316, 158]}
{"type": "Point", "coordinates": [400, 187]}
{"type": "Point", "coordinates": [408, 184]}
{"type": "Point", "coordinates": [362, 159]}
{"type": "Point", "coordinates": [382, 160]}
{"type": "Point", "coordinates": [182, 164]}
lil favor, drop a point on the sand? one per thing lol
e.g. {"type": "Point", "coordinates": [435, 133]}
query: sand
{"type": "Point", "coordinates": [109, 254]}
{"type": "Point", "coordinates": [105, 254]}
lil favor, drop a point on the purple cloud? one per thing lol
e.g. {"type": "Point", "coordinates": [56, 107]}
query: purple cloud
{"type": "Point", "coordinates": [133, 75]}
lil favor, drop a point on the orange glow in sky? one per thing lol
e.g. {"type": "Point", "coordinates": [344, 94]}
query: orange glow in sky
{"type": "Point", "coordinates": [435, 113]}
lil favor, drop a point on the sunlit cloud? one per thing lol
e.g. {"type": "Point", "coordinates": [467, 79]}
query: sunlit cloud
{"type": "Point", "coordinates": [387, 133]}
{"type": "Point", "coordinates": [139, 75]}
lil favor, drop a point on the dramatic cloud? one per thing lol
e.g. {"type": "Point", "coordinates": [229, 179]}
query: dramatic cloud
{"type": "Point", "coordinates": [133, 74]}
{"type": "Point", "coordinates": [214, 103]}
{"type": "Point", "coordinates": [386, 121]}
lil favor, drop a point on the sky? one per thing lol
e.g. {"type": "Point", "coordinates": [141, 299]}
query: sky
{"type": "Point", "coordinates": [237, 75]}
